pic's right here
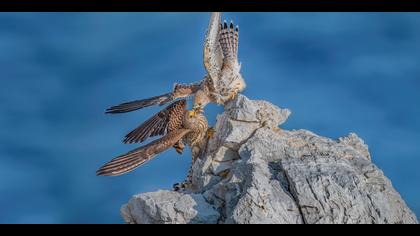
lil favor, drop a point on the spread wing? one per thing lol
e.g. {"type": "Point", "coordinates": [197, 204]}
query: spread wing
{"type": "Point", "coordinates": [179, 91]}
{"type": "Point", "coordinates": [139, 104]}
{"type": "Point", "coordinates": [213, 55]}
{"type": "Point", "coordinates": [165, 121]}
{"type": "Point", "coordinates": [133, 159]}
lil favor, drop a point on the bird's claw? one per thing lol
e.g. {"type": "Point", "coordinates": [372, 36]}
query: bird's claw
{"type": "Point", "coordinates": [233, 95]}
{"type": "Point", "coordinates": [177, 187]}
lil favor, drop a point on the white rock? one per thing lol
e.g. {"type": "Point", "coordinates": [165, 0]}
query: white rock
{"type": "Point", "coordinates": [168, 207]}
{"type": "Point", "coordinates": [255, 173]}
{"type": "Point", "coordinates": [271, 115]}
{"type": "Point", "coordinates": [242, 109]}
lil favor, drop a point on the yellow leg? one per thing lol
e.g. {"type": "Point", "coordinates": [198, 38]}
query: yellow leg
{"type": "Point", "coordinates": [240, 85]}
{"type": "Point", "coordinates": [233, 94]}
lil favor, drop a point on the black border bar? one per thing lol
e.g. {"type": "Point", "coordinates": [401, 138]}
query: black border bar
{"type": "Point", "coordinates": [210, 5]}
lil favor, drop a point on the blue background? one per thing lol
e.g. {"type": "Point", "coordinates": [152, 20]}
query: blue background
{"type": "Point", "coordinates": [337, 72]}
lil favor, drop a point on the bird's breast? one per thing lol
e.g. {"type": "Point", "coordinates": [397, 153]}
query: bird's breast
{"type": "Point", "coordinates": [198, 125]}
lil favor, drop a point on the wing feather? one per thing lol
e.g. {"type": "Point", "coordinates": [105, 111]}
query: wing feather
{"type": "Point", "coordinates": [164, 121]}
{"type": "Point", "coordinates": [179, 91]}
{"type": "Point", "coordinates": [139, 104]}
{"type": "Point", "coordinates": [213, 55]}
{"type": "Point", "coordinates": [133, 159]}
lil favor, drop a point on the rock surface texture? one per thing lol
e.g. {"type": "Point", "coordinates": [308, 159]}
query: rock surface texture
{"type": "Point", "coordinates": [254, 172]}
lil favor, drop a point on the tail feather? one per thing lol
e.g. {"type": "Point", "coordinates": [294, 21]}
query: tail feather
{"type": "Point", "coordinates": [236, 40]}
{"type": "Point", "coordinates": [139, 104]}
{"type": "Point", "coordinates": [229, 38]}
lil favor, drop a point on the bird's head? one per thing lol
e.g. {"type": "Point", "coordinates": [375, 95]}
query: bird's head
{"type": "Point", "coordinates": [195, 111]}
{"type": "Point", "coordinates": [200, 101]}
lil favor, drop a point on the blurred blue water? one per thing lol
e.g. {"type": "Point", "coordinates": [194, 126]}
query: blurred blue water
{"type": "Point", "coordinates": [337, 72]}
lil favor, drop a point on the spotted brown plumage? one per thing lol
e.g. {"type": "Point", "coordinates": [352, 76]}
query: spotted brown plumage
{"type": "Point", "coordinates": [163, 122]}
{"type": "Point", "coordinates": [178, 127]}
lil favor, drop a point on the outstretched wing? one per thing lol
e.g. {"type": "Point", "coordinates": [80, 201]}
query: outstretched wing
{"type": "Point", "coordinates": [179, 91]}
{"type": "Point", "coordinates": [139, 104]}
{"type": "Point", "coordinates": [213, 55]}
{"type": "Point", "coordinates": [165, 121]}
{"type": "Point", "coordinates": [133, 159]}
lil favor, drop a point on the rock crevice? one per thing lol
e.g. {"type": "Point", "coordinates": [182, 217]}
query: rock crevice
{"type": "Point", "coordinates": [254, 172]}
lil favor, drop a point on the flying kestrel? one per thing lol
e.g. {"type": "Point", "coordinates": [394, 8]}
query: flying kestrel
{"type": "Point", "coordinates": [222, 82]}
{"type": "Point", "coordinates": [178, 126]}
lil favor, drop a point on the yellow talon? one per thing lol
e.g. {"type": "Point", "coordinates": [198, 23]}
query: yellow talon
{"type": "Point", "coordinates": [210, 133]}
{"type": "Point", "coordinates": [233, 95]}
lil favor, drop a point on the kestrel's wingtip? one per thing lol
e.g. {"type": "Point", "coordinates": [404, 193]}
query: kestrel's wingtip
{"type": "Point", "coordinates": [99, 173]}
{"type": "Point", "coordinates": [109, 111]}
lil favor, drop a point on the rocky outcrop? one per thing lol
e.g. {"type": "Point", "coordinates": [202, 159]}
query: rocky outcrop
{"type": "Point", "coordinates": [254, 172]}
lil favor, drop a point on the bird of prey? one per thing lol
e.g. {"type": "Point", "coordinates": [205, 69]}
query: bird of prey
{"type": "Point", "coordinates": [222, 82]}
{"type": "Point", "coordinates": [176, 124]}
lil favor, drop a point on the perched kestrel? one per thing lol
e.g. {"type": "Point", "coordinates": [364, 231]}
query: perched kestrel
{"type": "Point", "coordinates": [222, 82]}
{"type": "Point", "coordinates": [178, 126]}
{"type": "Point", "coordinates": [223, 78]}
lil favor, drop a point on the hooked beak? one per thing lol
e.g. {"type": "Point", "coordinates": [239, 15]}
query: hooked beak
{"type": "Point", "coordinates": [192, 113]}
{"type": "Point", "coordinates": [195, 110]}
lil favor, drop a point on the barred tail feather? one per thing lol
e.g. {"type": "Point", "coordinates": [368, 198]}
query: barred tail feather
{"type": "Point", "coordinates": [229, 38]}
{"type": "Point", "coordinates": [236, 40]}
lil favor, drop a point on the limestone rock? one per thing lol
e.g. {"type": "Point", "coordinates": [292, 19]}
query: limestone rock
{"type": "Point", "coordinates": [254, 172]}
{"type": "Point", "coordinates": [168, 207]}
